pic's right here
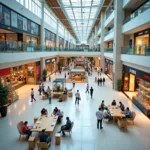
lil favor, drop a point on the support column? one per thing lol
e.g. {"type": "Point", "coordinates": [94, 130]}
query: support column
{"type": "Point", "coordinates": [57, 60]}
{"type": "Point", "coordinates": [96, 37]}
{"type": "Point", "coordinates": [92, 40]}
{"type": "Point", "coordinates": [42, 65]}
{"type": "Point", "coordinates": [57, 36]}
{"type": "Point", "coordinates": [118, 42]}
{"type": "Point", "coordinates": [64, 38]}
{"type": "Point", "coordinates": [42, 29]}
{"type": "Point", "coordinates": [102, 44]}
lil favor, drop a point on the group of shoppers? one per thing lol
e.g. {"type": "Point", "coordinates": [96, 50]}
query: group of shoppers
{"type": "Point", "coordinates": [103, 112]}
{"type": "Point", "coordinates": [100, 81]}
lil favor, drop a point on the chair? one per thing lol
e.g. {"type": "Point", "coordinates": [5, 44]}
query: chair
{"type": "Point", "coordinates": [19, 126]}
{"type": "Point", "coordinates": [70, 130]}
{"type": "Point", "coordinates": [43, 145]}
{"type": "Point", "coordinates": [132, 118]}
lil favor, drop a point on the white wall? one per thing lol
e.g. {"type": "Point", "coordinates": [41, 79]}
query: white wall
{"type": "Point", "coordinates": [135, 59]}
{"type": "Point", "coordinates": [142, 21]}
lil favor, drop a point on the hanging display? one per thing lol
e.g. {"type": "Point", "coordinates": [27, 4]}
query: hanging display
{"type": "Point", "coordinates": [24, 24]}
{"type": "Point", "coordinates": [6, 16]}
{"type": "Point", "coordinates": [14, 19]}
{"type": "Point", "coordinates": [1, 14]}
{"type": "Point", "coordinates": [34, 28]}
{"type": "Point", "coordinates": [20, 22]}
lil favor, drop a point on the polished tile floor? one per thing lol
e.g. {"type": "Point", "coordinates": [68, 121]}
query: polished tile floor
{"type": "Point", "coordinates": [85, 135]}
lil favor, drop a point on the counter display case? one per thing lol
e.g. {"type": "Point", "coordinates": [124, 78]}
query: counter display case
{"type": "Point", "coordinates": [142, 99]}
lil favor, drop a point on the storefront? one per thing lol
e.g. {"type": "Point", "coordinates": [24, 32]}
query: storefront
{"type": "Point", "coordinates": [110, 44]}
{"type": "Point", "coordinates": [50, 65]}
{"type": "Point", "coordinates": [142, 41]}
{"type": "Point", "coordinates": [20, 75]}
{"type": "Point", "coordinates": [108, 67]}
{"type": "Point", "coordinates": [61, 42]}
{"type": "Point", "coordinates": [136, 84]}
{"type": "Point", "coordinates": [15, 29]}
{"type": "Point", "coordinates": [50, 39]}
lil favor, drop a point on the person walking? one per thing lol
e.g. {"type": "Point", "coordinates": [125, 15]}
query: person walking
{"type": "Point", "coordinates": [65, 76]}
{"type": "Point", "coordinates": [103, 81]}
{"type": "Point", "coordinates": [49, 78]}
{"type": "Point", "coordinates": [40, 89]}
{"type": "Point", "coordinates": [100, 80]}
{"type": "Point", "coordinates": [101, 70]}
{"type": "Point", "coordinates": [87, 89]}
{"type": "Point", "coordinates": [77, 95]}
{"type": "Point", "coordinates": [32, 95]}
{"type": "Point", "coordinates": [50, 97]}
{"type": "Point", "coordinates": [99, 115]}
{"type": "Point", "coordinates": [73, 84]}
{"type": "Point", "coordinates": [91, 92]}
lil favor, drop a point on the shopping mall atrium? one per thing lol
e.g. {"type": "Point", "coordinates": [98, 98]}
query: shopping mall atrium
{"type": "Point", "coordinates": [75, 74]}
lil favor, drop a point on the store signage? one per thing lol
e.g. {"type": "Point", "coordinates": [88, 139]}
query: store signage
{"type": "Point", "coordinates": [132, 71]}
{"type": "Point", "coordinates": [142, 32]}
{"type": "Point", "coordinates": [47, 61]}
{"type": "Point", "coordinates": [138, 73]}
{"type": "Point", "coordinates": [109, 61]}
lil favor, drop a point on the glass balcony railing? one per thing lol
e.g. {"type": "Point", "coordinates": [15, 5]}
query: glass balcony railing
{"type": "Point", "coordinates": [138, 12]}
{"type": "Point", "coordinates": [108, 50]}
{"type": "Point", "coordinates": [12, 46]}
{"type": "Point", "coordinates": [136, 50]}
{"type": "Point", "coordinates": [110, 31]}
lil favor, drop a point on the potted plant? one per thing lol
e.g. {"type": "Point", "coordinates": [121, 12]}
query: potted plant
{"type": "Point", "coordinates": [119, 84]}
{"type": "Point", "coordinates": [4, 92]}
{"type": "Point", "coordinates": [44, 74]}
{"type": "Point", "coordinates": [59, 65]}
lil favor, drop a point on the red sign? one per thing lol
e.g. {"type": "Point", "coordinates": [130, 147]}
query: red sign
{"type": "Point", "coordinates": [4, 72]}
{"type": "Point", "coordinates": [147, 77]}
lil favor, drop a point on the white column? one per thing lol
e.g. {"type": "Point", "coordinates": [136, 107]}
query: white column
{"type": "Point", "coordinates": [96, 37]}
{"type": "Point", "coordinates": [42, 65]}
{"type": "Point", "coordinates": [64, 38]}
{"type": "Point", "coordinates": [42, 37]}
{"type": "Point", "coordinates": [92, 39]}
{"type": "Point", "coordinates": [102, 45]}
{"type": "Point", "coordinates": [118, 42]}
{"type": "Point", "coordinates": [57, 34]}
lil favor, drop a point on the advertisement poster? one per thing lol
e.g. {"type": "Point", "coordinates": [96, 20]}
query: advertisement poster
{"type": "Point", "coordinates": [1, 14]}
{"type": "Point", "coordinates": [14, 19]}
{"type": "Point", "coordinates": [6, 16]}
{"type": "Point", "coordinates": [29, 26]}
{"type": "Point", "coordinates": [47, 35]}
{"type": "Point", "coordinates": [52, 37]}
{"type": "Point", "coordinates": [24, 24]}
{"type": "Point", "coordinates": [34, 28]}
{"type": "Point", "coordinates": [20, 22]}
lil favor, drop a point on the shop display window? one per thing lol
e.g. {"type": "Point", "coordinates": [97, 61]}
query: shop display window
{"type": "Point", "coordinates": [143, 95]}
{"type": "Point", "coordinates": [31, 79]}
{"type": "Point", "coordinates": [141, 43]}
{"type": "Point", "coordinates": [126, 82]}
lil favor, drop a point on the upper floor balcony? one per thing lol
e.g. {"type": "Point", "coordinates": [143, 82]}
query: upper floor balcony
{"type": "Point", "coordinates": [109, 35]}
{"type": "Point", "coordinates": [11, 51]}
{"type": "Point", "coordinates": [109, 20]}
{"type": "Point", "coordinates": [136, 50]}
{"type": "Point", "coordinates": [138, 20]}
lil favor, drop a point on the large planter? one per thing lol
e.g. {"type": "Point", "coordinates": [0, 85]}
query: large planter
{"type": "Point", "coordinates": [3, 111]}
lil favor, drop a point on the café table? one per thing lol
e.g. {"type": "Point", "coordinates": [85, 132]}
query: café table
{"type": "Point", "coordinates": [45, 122]}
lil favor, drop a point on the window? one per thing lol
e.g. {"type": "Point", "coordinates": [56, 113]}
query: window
{"type": "Point", "coordinates": [50, 19]}
{"type": "Point", "coordinates": [33, 5]}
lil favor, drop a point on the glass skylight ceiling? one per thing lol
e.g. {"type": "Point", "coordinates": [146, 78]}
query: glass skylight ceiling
{"type": "Point", "coordinates": [82, 15]}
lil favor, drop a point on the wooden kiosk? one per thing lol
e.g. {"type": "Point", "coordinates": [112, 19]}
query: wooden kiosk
{"type": "Point", "coordinates": [58, 87]}
{"type": "Point", "coordinates": [77, 75]}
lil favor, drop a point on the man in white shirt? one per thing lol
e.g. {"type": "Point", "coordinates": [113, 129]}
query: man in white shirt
{"type": "Point", "coordinates": [87, 89]}
{"type": "Point", "coordinates": [99, 115]}
{"type": "Point", "coordinates": [77, 95]}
